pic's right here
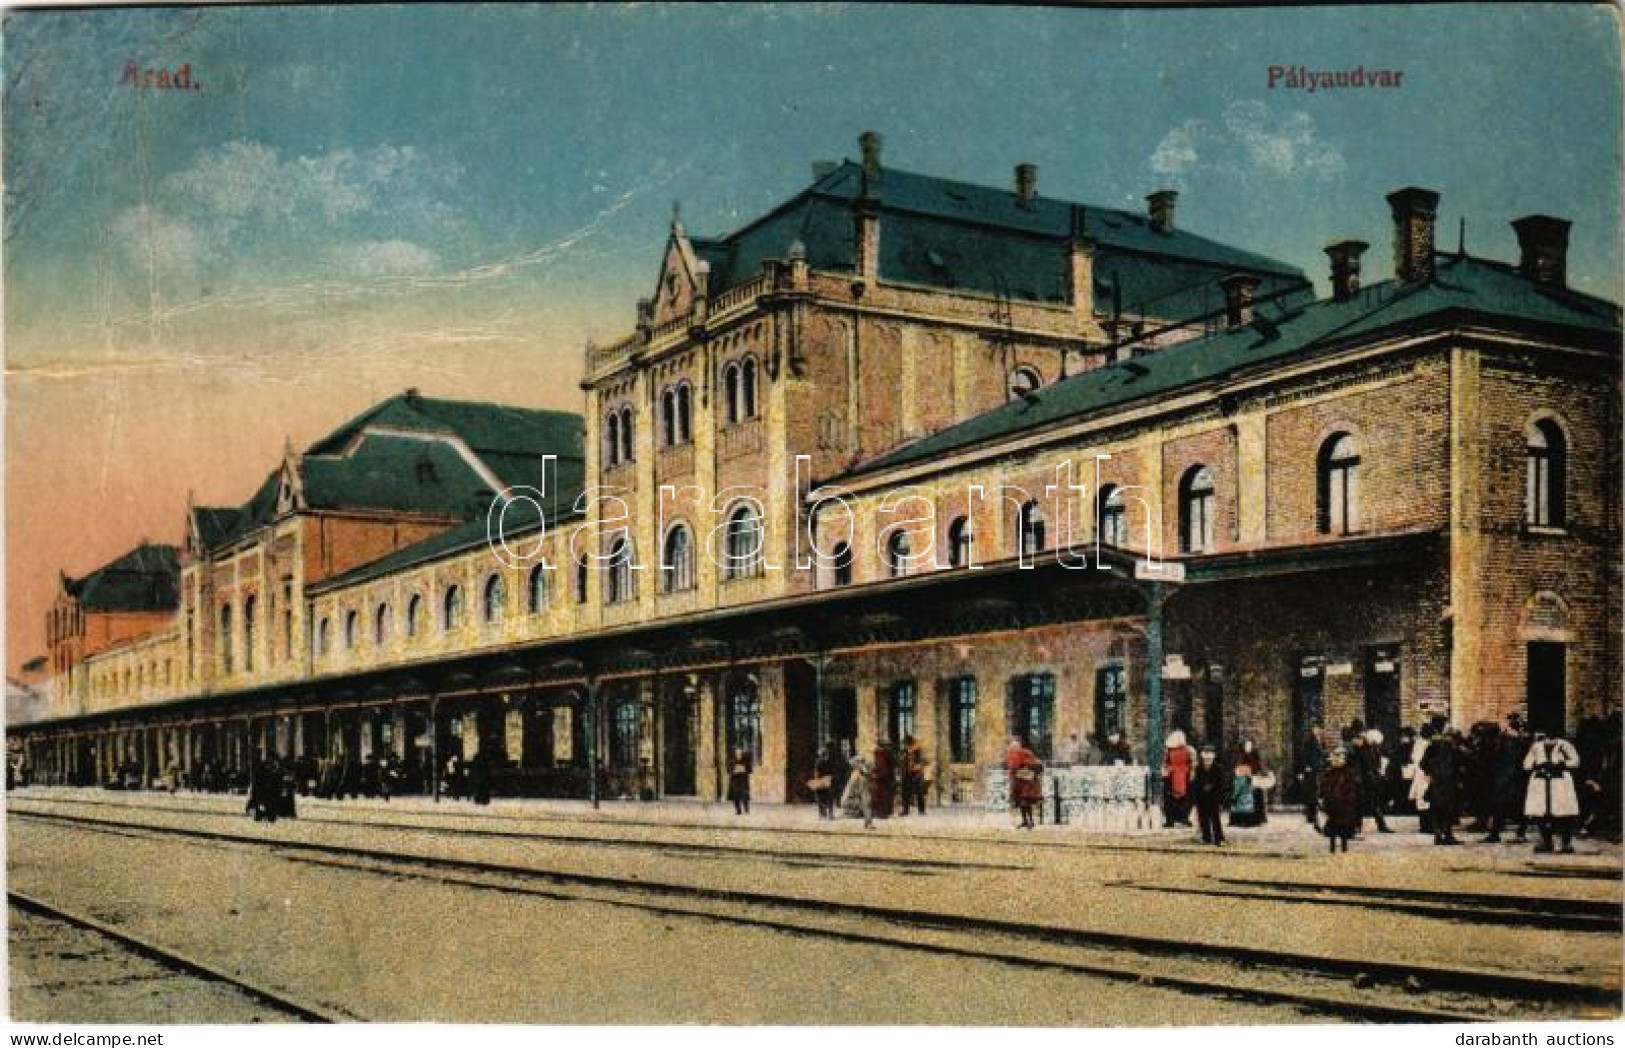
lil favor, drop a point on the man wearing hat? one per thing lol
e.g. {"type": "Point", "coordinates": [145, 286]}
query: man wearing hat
{"type": "Point", "coordinates": [1210, 788]}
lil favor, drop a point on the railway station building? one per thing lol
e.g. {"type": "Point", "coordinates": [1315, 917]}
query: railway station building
{"type": "Point", "coordinates": [909, 456]}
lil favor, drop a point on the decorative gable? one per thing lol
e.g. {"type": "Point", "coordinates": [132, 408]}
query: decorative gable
{"type": "Point", "coordinates": [682, 278]}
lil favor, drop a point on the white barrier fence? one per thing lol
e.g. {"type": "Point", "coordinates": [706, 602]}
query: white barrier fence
{"type": "Point", "coordinates": [1094, 797]}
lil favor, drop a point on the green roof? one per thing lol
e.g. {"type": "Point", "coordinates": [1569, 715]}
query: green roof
{"type": "Point", "coordinates": [387, 460]}
{"type": "Point", "coordinates": [935, 232]}
{"type": "Point", "coordinates": [145, 579]}
{"type": "Point", "coordinates": [1463, 287]}
{"type": "Point", "coordinates": [214, 523]}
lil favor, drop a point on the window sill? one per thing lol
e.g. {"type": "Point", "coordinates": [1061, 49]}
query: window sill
{"type": "Point", "coordinates": [1545, 531]}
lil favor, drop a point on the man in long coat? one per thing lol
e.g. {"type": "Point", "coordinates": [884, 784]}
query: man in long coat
{"type": "Point", "coordinates": [1210, 788]}
{"type": "Point", "coordinates": [1442, 765]}
{"type": "Point", "coordinates": [885, 780]}
{"type": "Point", "coordinates": [1551, 800]}
{"type": "Point", "coordinates": [1368, 773]}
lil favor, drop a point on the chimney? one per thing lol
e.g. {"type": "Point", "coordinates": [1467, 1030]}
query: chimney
{"type": "Point", "coordinates": [1345, 256]}
{"type": "Point", "coordinates": [1543, 248]}
{"type": "Point", "coordinates": [1238, 299]}
{"type": "Point", "coordinates": [1026, 184]}
{"type": "Point", "coordinates": [869, 146]}
{"type": "Point", "coordinates": [1159, 207]}
{"type": "Point", "coordinates": [1414, 210]}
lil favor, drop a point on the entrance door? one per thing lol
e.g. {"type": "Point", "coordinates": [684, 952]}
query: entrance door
{"type": "Point", "coordinates": [679, 740]}
{"type": "Point", "coordinates": [1382, 690]}
{"type": "Point", "coordinates": [1213, 708]}
{"type": "Point", "coordinates": [1547, 688]}
{"type": "Point", "coordinates": [841, 716]}
{"type": "Point", "coordinates": [1308, 706]}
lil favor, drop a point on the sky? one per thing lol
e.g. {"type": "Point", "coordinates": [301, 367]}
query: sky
{"type": "Point", "coordinates": [349, 201]}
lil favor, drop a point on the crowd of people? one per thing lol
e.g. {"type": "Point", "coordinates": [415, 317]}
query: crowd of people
{"type": "Point", "coordinates": [1498, 779]}
{"type": "Point", "coordinates": [1502, 780]}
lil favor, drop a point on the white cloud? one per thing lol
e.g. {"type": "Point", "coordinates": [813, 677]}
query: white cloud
{"type": "Point", "coordinates": [1249, 138]}
{"type": "Point", "coordinates": [150, 236]}
{"type": "Point", "coordinates": [255, 214]}
{"type": "Point", "coordinates": [1176, 153]}
{"type": "Point", "coordinates": [1286, 144]}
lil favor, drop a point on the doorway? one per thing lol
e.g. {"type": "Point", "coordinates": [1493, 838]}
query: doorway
{"type": "Point", "coordinates": [841, 717]}
{"type": "Point", "coordinates": [679, 739]}
{"type": "Point", "coordinates": [1547, 687]}
{"type": "Point", "coordinates": [1382, 690]}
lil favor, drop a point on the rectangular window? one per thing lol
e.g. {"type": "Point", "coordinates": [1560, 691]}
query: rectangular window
{"type": "Point", "coordinates": [1111, 700]}
{"type": "Point", "coordinates": [900, 713]}
{"type": "Point", "coordinates": [745, 722]}
{"type": "Point", "coordinates": [962, 719]}
{"type": "Point", "coordinates": [1031, 710]}
{"type": "Point", "coordinates": [624, 741]}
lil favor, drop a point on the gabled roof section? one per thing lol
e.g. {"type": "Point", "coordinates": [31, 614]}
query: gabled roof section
{"type": "Point", "coordinates": [937, 232]}
{"type": "Point", "coordinates": [145, 579]}
{"type": "Point", "coordinates": [213, 523]}
{"type": "Point", "coordinates": [482, 426]}
{"type": "Point", "coordinates": [1464, 289]}
{"type": "Point", "coordinates": [422, 456]}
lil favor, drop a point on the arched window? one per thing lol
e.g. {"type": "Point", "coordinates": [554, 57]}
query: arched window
{"type": "Point", "coordinates": [677, 561]}
{"type": "Point", "coordinates": [249, 606]}
{"type": "Point", "coordinates": [1337, 488]}
{"type": "Point", "coordinates": [618, 583]}
{"type": "Point", "coordinates": [380, 625]}
{"type": "Point", "coordinates": [1111, 523]}
{"type": "Point", "coordinates": [1196, 507]}
{"type": "Point", "coordinates": [730, 388]}
{"type": "Point", "coordinates": [581, 582]}
{"type": "Point", "coordinates": [349, 630]}
{"type": "Point", "coordinates": [898, 549]}
{"type": "Point", "coordinates": [743, 552]}
{"type": "Point", "coordinates": [491, 605]}
{"type": "Point", "coordinates": [225, 639]}
{"type": "Point", "coordinates": [1025, 379]}
{"type": "Point", "coordinates": [414, 611]}
{"type": "Point", "coordinates": [626, 434]}
{"type": "Point", "coordinates": [668, 417]}
{"type": "Point", "coordinates": [960, 539]}
{"type": "Point", "coordinates": [684, 394]}
{"type": "Point", "coordinates": [843, 564]}
{"type": "Point", "coordinates": [747, 388]}
{"type": "Point", "coordinates": [451, 609]}
{"type": "Point", "coordinates": [1546, 476]}
{"type": "Point", "coordinates": [536, 590]}
{"type": "Point", "coordinates": [612, 438]}
{"type": "Point", "coordinates": [1030, 529]}
{"type": "Point", "coordinates": [324, 637]}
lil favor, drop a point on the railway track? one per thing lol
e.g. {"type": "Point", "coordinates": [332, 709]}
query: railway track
{"type": "Point", "coordinates": [1514, 911]}
{"type": "Point", "coordinates": [1318, 985]}
{"type": "Point", "coordinates": [912, 866]}
{"type": "Point", "coordinates": [277, 1002]}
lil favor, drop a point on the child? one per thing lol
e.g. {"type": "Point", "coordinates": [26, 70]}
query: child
{"type": "Point", "coordinates": [1340, 800]}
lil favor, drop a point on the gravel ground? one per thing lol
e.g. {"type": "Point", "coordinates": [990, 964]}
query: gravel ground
{"type": "Point", "coordinates": [404, 950]}
{"type": "Point", "coordinates": [601, 964]}
{"type": "Point", "coordinates": [61, 973]}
